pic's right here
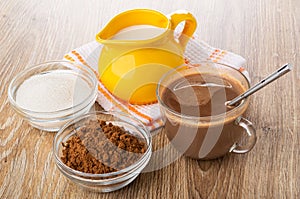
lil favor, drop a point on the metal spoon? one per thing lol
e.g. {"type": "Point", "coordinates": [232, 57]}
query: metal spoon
{"type": "Point", "coordinates": [275, 75]}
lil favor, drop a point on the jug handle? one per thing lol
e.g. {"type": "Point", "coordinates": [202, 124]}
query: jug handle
{"type": "Point", "coordinates": [189, 27]}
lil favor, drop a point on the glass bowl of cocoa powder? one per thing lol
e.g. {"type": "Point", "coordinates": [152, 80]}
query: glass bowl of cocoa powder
{"type": "Point", "coordinates": [102, 151]}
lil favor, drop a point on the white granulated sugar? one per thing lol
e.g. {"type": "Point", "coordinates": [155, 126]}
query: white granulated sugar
{"type": "Point", "coordinates": [52, 91]}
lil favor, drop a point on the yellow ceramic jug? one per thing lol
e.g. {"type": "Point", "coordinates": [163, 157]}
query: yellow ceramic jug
{"type": "Point", "coordinates": [130, 68]}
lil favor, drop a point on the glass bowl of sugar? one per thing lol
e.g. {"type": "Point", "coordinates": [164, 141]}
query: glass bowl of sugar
{"type": "Point", "coordinates": [50, 94]}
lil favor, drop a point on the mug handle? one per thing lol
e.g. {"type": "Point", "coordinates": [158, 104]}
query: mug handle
{"type": "Point", "coordinates": [189, 27]}
{"type": "Point", "coordinates": [251, 133]}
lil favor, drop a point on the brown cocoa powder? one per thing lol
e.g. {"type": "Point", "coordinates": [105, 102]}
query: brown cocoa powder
{"type": "Point", "coordinates": [100, 147]}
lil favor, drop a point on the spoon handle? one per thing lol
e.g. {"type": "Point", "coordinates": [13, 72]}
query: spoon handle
{"type": "Point", "coordinates": [278, 73]}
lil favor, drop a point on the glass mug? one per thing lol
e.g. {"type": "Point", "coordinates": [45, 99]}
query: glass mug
{"type": "Point", "coordinates": [206, 137]}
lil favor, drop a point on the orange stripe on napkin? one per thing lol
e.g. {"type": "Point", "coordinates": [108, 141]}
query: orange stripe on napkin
{"type": "Point", "coordinates": [108, 97]}
{"type": "Point", "coordinates": [69, 58]}
{"type": "Point", "coordinates": [80, 58]}
{"type": "Point", "coordinates": [131, 108]}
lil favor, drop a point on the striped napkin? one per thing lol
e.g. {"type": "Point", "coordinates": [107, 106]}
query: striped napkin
{"type": "Point", "coordinates": [196, 51]}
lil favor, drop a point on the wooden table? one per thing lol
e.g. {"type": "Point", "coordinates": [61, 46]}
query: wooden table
{"type": "Point", "coordinates": [266, 33]}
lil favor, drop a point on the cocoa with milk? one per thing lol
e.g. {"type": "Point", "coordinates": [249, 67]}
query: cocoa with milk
{"type": "Point", "coordinates": [197, 121]}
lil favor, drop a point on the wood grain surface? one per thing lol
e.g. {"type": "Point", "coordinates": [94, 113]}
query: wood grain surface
{"type": "Point", "coordinates": [265, 32]}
